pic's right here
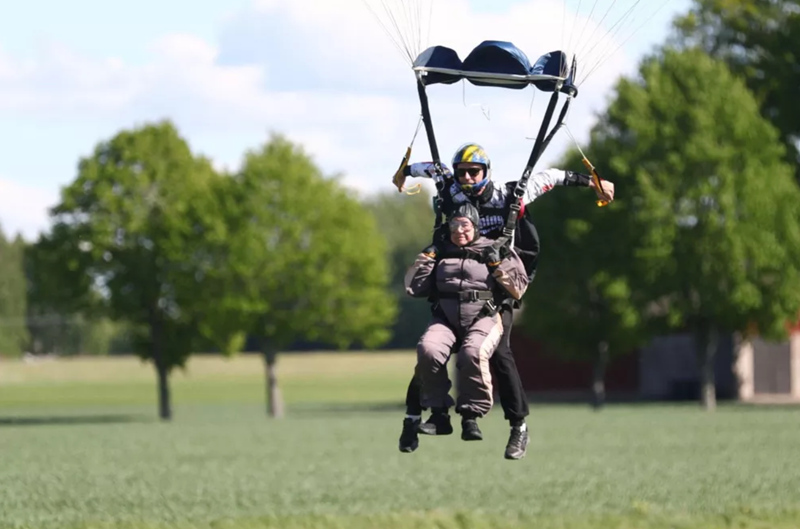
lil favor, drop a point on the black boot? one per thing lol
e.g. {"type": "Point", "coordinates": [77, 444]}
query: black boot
{"type": "Point", "coordinates": [437, 424]}
{"type": "Point", "coordinates": [470, 430]}
{"type": "Point", "coordinates": [409, 441]}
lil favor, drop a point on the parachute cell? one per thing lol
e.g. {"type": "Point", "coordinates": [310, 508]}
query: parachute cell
{"type": "Point", "coordinates": [492, 63]}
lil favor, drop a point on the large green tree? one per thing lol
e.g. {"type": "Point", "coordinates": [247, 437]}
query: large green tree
{"type": "Point", "coordinates": [708, 205]}
{"type": "Point", "coordinates": [760, 41]}
{"type": "Point", "coordinates": [13, 297]}
{"type": "Point", "coordinates": [130, 233]}
{"type": "Point", "coordinates": [581, 302]}
{"type": "Point", "coordinates": [306, 261]}
{"type": "Point", "coordinates": [406, 222]}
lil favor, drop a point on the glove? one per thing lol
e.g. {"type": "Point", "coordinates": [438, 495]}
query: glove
{"type": "Point", "coordinates": [426, 170]}
{"type": "Point", "coordinates": [431, 251]}
{"type": "Point", "coordinates": [577, 179]}
{"type": "Point", "coordinates": [491, 256]}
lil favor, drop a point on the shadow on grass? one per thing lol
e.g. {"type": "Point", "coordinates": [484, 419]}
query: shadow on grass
{"type": "Point", "coordinates": [346, 407]}
{"type": "Point", "coordinates": [45, 420]}
{"type": "Point", "coordinates": [765, 406]}
{"type": "Point", "coordinates": [399, 407]}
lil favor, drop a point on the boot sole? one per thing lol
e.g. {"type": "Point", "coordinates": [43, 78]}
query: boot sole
{"type": "Point", "coordinates": [410, 448]}
{"type": "Point", "coordinates": [434, 432]}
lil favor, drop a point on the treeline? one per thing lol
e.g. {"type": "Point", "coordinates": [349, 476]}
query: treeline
{"type": "Point", "coordinates": [152, 251]}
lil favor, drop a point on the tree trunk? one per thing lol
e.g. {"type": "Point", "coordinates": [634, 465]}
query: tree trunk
{"type": "Point", "coordinates": [743, 367]}
{"type": "Point", "coordinates": [164, 405]}
{"type": "Point", "coordinates": [599, 376]}
{"type": "Point", "coordinates": [706, 344]}
{"type": "Point", "coordinates": [274, 397]}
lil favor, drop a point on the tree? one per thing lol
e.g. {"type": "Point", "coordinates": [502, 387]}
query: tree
{"type": "Point", "coordinates": [759, 40]}
{"type": "Point", "coordinates": [13, 332]}
{"type": "Point", "coordinates": [581, 302]}
{"type": "Point", "coordinates": [129, 235]}
{"type": "Point", "coordinates": [62, 317]}
{"type": "Point", "coordinates": [306, 261]}
{"type": "Point", "coordinates": [709, 205]}
{"type": "Point", "coordinates": [406, 223]}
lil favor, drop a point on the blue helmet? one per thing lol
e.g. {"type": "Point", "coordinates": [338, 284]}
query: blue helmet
{"type": "Point", "coordinates": [473, 153]}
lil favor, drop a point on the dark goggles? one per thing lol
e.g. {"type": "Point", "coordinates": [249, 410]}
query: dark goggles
{"type": "Point", "coordinates": [472, 171]}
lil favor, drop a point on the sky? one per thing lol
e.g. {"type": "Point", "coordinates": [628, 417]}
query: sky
{"type": "Point", "coordinates": [229, 73]}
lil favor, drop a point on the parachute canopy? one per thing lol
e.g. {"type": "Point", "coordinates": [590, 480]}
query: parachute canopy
{"type": "Point", "coordinates": [494, 63]}
{"type": "Point", "coordinates": [592, 31]}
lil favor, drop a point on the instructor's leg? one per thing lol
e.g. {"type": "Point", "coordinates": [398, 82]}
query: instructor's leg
{"type": "Point", "coordinates": [512, 394]}
{"type": "Point", "coordinates": [413, 406]}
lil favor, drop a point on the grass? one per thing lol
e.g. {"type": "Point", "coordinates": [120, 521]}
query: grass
{"type": "Point", "coordinates": [81, 448]}
{"type": "Point", "coordinates": [309, 378]}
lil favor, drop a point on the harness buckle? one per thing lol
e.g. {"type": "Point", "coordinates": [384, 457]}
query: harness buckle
{"type": "Point", "coordinates": [470, 295]}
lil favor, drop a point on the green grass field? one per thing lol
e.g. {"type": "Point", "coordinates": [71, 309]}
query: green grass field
{"type": "Point", "coordinates": [81, 448]}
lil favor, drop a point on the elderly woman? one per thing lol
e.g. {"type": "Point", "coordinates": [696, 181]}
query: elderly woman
{"type": "Point", "coordinates": [467, 286]}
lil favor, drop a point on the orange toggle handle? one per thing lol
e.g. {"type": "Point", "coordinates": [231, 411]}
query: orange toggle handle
{"type": "Point", "coordinates": [597, 182]}
{"type": "Point", "coordinates": [399, 179]}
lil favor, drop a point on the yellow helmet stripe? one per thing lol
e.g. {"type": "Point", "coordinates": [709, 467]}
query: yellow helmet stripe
{"type": "Point", "coordinates": [470, 151]}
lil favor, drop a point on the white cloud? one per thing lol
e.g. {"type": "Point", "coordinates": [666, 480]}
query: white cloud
{"type": "Point", "coordinates": [24, 208]}
{"type": "Point", "coordinates": [324, 73]}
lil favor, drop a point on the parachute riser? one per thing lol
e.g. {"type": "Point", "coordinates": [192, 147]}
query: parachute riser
{"type": "Point", "coordinates": [536, 153]}
{"type": "Point", "coordinates": [438, 178]}
{"type": "Point", "coordinates": [539, 146]}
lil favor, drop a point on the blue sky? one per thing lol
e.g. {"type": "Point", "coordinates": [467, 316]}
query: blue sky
{"type": "Point", "coordinates": [230, 72]}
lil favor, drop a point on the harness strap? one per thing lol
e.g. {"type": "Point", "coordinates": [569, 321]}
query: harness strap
{"type": "Point", "coordinates": [490, 308]}
{"type": "Point", "coordinates": [468, 295]}
{"type": "Point", "coordinates": [462, 254]}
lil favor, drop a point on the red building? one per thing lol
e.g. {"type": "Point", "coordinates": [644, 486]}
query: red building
{"type": "Point", "coordinates": [546, 376]}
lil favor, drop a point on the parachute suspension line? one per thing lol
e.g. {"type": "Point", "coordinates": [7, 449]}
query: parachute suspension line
{"type": "Point", "coordinates": [603, 59]}
{"type": "Point", "coordinates": [585, 23]}
{"type": "Point", "coordinates": [412, 23]}
{"type": "Point", "coordinates": [395, 38]}
{"type": "Point", "coordinates": [569, 49]}
{"type": "Point", "coordinates": [405, 36]}
{"type": "Point", "coordinates": [399, 177]}
{"type": "Point", "coordinates": [403, 23]}
{"type": "Point", "coordinates": [430, 17]}
{"type": "Point", "coordinates": [598, 182]}
{"type": "Point", "coordinates": [583, 49]}
{"type": "Point", "coordinates": [562, 115]}
{"type": "Point", "coordinates": [416, 131]}
{"type": "Point", "coordinates": [533, 98]}
{"type": "Point", "coordinates": [530, 108]}
{"type": "Point", "coordinates": [574, 24]}
{"type": "Point", "coordinates": [563, 23]}
{"type": "Point", "coordinates": [608, 38]}
{"type": "Point", "coordinates": [486, 111]}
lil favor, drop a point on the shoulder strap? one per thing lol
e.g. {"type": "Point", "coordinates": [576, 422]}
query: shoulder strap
{"type": "Point", "coordinates": [461, 254]}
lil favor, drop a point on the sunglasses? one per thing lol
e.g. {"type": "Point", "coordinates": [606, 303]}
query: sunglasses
{"type": "Point", "coordinates": [472, 171]}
